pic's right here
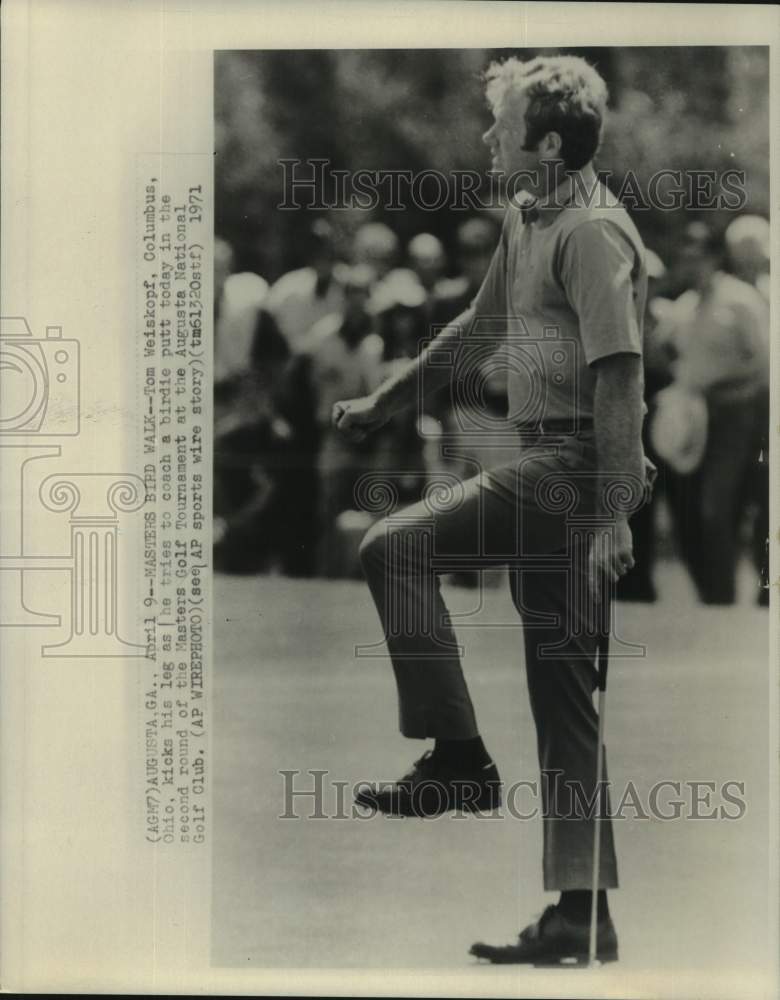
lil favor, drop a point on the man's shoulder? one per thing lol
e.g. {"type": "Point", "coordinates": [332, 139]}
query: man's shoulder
{"type": "Point", "coordinates": [598, 205]}
{"type": "Point", "coordinates": [593, 223]}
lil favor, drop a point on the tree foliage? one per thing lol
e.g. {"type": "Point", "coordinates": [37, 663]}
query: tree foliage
{"type": "Point", "coordinates": [672, 108]}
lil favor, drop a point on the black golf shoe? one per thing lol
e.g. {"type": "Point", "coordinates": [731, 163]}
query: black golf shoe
{"type": "Point", "coordinates": [434, 787]}
{"type": "Point", "coordinates": [553, 940]}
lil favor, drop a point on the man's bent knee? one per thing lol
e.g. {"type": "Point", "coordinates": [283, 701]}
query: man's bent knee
{"type": "Point", "coordinates": [402, 547]}
{"type": "Point", "coordinates": [374, 545]}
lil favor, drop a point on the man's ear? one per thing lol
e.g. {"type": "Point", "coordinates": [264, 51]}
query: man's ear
{"type": "Point", "coordinates": [551, 145]}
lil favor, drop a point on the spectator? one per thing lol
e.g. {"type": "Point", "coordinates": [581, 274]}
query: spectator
{"type": "Point", "coordinates": [299, 409]}
{"type": "Point", "coordinates": [399, 302]}
{"type": "Point", "coordinates": [427, 259]}
{"type": "Point", "coordinates": [250, 444]}
{"type": "Point", "coordinates": [242, 406]}
{"type": "Point", "coordinates": [344, 357]}
{"type": "Point", "coordinates": [376, 246]}
{"type": "Point", "coordinates": [428, 262]}
{"type": "Point", "coordinates": [719, 333]}
{"type": "Point", "coordinates": [237, 301]}
{"type": "Point", "coordinates": [747, 244]}
{"type": "Point", "coordinates": [401, 306]}
{"type": "Point", "coordinates": [476, 240]}
{"type": "Point", "coordinates": [300, 298]}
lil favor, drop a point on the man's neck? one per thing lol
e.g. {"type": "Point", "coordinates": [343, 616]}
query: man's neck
{"type": "Point", "coordinates": [575, 181]}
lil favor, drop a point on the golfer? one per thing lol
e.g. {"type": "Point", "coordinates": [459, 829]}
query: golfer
{"type": "Point", "coordinates": [564, 298]}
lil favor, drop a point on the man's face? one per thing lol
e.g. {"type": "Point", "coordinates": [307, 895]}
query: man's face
{"type": "Point", "coordinates": [506, 137]}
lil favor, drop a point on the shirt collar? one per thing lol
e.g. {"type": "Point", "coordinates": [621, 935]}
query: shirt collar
{"type": "Point", "coordinates": [569, 191]}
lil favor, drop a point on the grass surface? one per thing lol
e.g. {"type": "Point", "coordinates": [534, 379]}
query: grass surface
{"type": "Point", "coordinates": [290, 694]}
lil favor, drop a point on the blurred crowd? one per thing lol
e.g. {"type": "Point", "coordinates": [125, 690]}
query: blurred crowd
{"type": "Point", "coordinates": [285, 482]}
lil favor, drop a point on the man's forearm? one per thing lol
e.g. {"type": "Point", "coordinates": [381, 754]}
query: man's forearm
{"type": "Point", "coordinates": [402, 389]}
{"type": "Point", "coordinates": [618, 414]}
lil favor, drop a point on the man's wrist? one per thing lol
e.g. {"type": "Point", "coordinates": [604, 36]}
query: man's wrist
{"type": "Point", "coordinates": [382, 400]}
{"type": "Point", "coordinates": [619, 499]}
{"type": "Point", "coordinates": [397, 392]}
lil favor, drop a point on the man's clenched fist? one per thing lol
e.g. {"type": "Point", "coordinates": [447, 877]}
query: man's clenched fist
{"type": "Point", "coordinates": [611, 556]}
{"type": "Point", "coordinates": [357, 418]}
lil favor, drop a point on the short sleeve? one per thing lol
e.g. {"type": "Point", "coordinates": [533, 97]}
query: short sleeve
{"type": "Point", "coordinates": [490, 300]}
{"type": "Point", "coordinates": [597, 265]}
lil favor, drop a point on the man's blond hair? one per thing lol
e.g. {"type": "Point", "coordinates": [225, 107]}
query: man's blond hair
{"type": "Point", "coordinates": [565, 95]}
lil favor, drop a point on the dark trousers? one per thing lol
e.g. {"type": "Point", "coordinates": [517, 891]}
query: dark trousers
{"type": "Point", "coordinates": [707, 506]}
{"type": "Point", "coordinates": [520, 516]}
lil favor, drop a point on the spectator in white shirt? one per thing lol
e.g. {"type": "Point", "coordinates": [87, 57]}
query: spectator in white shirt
{"type": "Point", "coordinates": [300, 298]}
{"type": "Point", "coordinates": [718, 330]}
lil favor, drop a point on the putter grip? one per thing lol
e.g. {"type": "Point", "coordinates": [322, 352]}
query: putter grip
{"type": "Point", "coordinates": [602, 645]}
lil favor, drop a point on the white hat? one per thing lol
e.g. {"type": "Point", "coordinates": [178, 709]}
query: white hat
{"type": "Point", "coordinates": [751, 229]}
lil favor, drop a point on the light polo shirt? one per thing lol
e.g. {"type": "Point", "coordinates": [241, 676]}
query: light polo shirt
{"type": "Point", "coordinates": [565, 290]}
{"type": "Point", "coordinates": [721, 337]}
